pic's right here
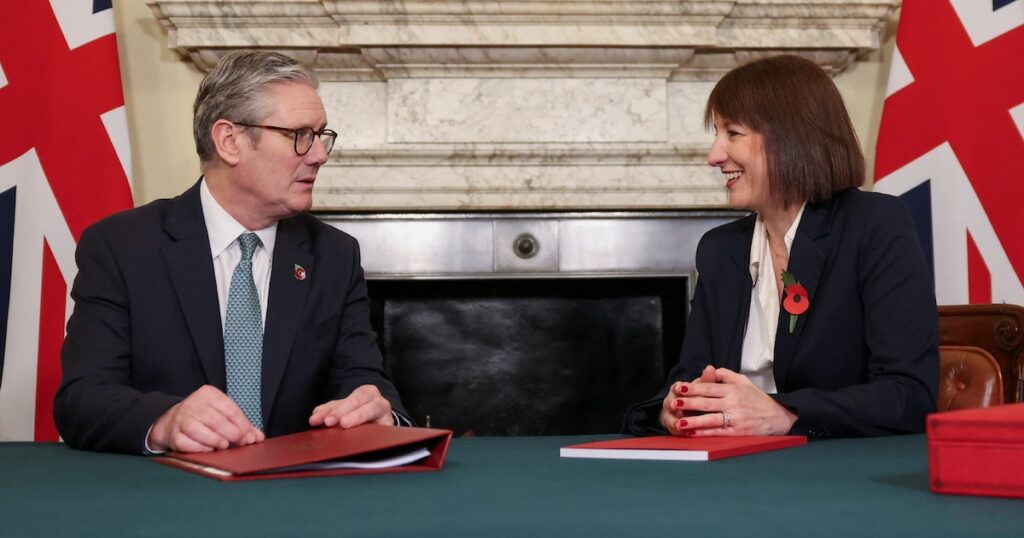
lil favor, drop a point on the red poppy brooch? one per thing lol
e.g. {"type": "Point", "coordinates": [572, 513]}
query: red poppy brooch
{"type": "Point", "coordinates": [796, 301]}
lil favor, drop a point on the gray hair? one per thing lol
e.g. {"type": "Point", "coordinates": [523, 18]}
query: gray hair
{"type": "Point", "coordinates": [233, 90]}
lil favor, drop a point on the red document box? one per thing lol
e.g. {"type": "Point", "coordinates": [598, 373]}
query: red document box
{"type": "Point", "coordinates": [978, 451]}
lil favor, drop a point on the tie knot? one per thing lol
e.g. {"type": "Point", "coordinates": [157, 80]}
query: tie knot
{"type": "Point", "coordinates": [248, 242]}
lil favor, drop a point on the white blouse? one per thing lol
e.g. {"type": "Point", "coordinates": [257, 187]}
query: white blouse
{"type": "Point", "coordinates": [758, 359]}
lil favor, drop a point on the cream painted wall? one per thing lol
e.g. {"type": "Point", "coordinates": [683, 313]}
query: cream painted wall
{"type": "Point", "coordinates": [863, 88]}
{"type": "Point", "coordinates": [159, 89]}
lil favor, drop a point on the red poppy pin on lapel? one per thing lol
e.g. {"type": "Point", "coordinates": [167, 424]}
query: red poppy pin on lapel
{"type": "Point", "coordinates": [300, 273]}
{"type": "Point", "coordinates": [796, 302]}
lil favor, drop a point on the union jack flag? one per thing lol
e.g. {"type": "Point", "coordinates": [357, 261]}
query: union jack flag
{"type": "Point", "coordinates": [951, 142]}
{"type": "Point", "coordinates": [64, 163]}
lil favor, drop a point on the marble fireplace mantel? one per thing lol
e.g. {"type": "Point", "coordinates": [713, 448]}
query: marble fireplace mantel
{"type": "Point", "coordinates": [522, 104]}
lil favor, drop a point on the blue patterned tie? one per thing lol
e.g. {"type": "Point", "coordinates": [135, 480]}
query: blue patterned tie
{"type": "Point", "coordinates": [243, 335]}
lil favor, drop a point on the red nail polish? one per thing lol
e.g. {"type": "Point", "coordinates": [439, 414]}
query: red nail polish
{"type": "Point", "coordinates": [683, 388]}
{"type": "Point", "coordinates": [678, 403]}
{"type": "Point", "coordinates": [682, 423]}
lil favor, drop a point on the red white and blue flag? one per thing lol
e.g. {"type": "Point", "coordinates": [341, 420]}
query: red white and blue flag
{"type": "Point", "coordinates": [64, 164]}
{"type": "Point", "coordinates": [951, 142]}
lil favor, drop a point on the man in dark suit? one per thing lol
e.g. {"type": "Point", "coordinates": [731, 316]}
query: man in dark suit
{"type": "Point", "coordinates": [227, 314]}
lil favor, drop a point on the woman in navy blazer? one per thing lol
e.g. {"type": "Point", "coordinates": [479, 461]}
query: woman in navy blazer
{"type": "Point", "coordinates": [816, 314]}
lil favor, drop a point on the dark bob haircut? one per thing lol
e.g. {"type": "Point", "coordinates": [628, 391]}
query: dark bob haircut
{"type": "Point", "coordinates": [810, 146]}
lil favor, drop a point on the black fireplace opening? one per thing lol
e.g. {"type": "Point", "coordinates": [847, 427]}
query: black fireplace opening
{"type": "Point", "coordinates": [538, 356]}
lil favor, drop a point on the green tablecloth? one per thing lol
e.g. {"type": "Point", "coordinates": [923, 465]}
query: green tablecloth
{"type": "Point", "coordinates": [507, 487]}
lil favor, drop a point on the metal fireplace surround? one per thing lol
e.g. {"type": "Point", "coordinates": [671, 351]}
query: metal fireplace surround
{"type": "Point", "coordinates": [528, 323]}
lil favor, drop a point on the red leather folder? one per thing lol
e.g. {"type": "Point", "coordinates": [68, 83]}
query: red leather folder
{"type": "Point", "coordinates": [977, 451]}
{"type": "Point", "coordinates": [275, 457]}
{"type": "Point", "coordinates": [668, 447]}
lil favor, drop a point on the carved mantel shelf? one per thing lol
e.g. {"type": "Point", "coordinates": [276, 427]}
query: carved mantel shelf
{"type": "Point", "coordinates": [521, 104]}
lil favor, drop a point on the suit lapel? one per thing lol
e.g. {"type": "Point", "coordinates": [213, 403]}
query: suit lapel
{"type": "Point", "coordinates": [284, 306]}
{"type": "Point", "coordinates": [190, 267]}
{"type": "Point", "coordinates": [807, 263]}
{"type": "Point", "coordinates": [738, 310]}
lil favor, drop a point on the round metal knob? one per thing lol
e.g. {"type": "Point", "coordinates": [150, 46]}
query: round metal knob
{"type": "Point", "coordinates": [525, 246]}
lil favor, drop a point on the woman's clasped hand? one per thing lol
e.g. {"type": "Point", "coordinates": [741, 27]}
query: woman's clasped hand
{"type": "Point", "coordinates": [722, 402]}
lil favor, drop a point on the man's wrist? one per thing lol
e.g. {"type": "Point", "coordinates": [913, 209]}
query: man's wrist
{"type": "Point", "coordinates": [147, 448]}
{"type": "Point", "coordinates": [399, 419]}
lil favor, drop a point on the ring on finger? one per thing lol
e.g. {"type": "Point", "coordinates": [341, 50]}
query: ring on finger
{"type": "Point", "coordinates": [726, 419]}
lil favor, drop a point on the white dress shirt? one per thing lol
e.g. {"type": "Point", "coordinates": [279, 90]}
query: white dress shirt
{"type": "Point", "coordinates": [758, 359]}
{"type": "Point", "coordinates": [223, 231]}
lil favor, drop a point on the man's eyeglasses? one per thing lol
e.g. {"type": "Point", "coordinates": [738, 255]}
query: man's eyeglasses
{"type": "Point", "coordinates": [303, 136]}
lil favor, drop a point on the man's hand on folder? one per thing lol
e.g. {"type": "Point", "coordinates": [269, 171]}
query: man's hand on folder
{"type": "Point", "coordinates": [364, 405]}
{"type": "Point", "coordinates": [206, 420]}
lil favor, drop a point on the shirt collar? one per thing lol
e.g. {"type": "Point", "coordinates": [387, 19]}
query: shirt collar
{"type": "Point", "coordinates": [791, 232]}
{"type": "Point", "coordinates": [223, 229]}
{"type": "Point", "coordinates": [759, 244]}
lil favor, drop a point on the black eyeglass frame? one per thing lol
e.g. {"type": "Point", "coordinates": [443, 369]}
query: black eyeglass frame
{"type": "Point", "coordinates": [315, 135]}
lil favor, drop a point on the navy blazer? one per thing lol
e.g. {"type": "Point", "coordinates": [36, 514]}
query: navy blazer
{"type": "Point", "coordinates": [863, 359]}
{"type": "Point", "coordinates": [146, 329]}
